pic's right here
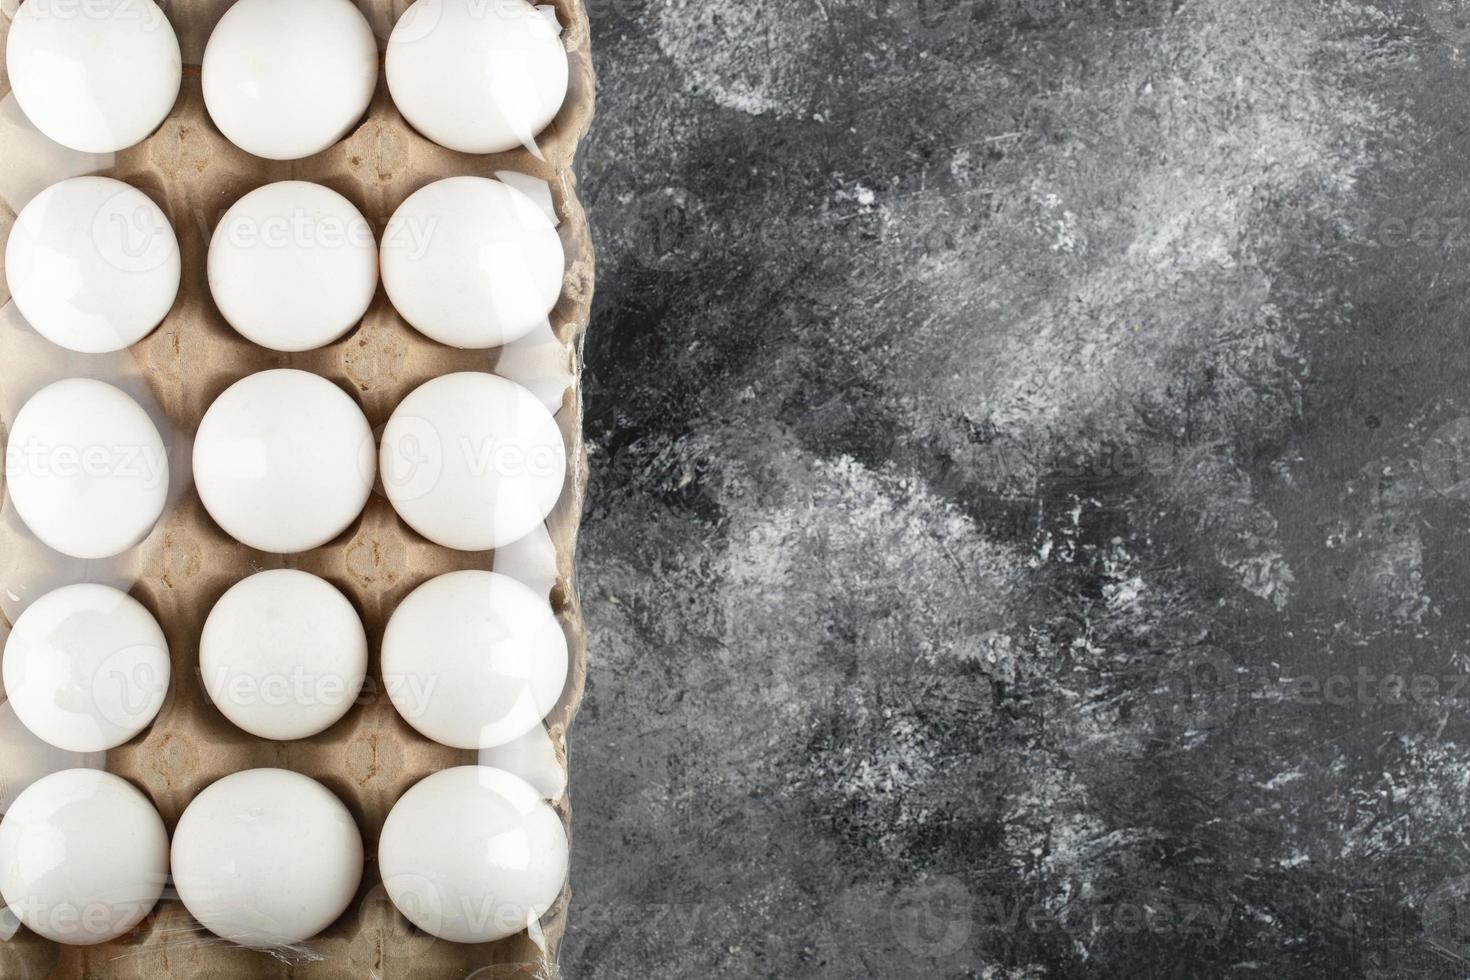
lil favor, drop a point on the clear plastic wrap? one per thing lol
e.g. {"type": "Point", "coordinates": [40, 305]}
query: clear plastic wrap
{"type": "Point", "coordinates": [371, 757]}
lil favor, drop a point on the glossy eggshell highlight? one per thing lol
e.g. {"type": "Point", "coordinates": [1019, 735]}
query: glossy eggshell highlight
{"type": "Point", "coordinates": [314, 249]}
{"type": "Point", "coordinates": [266, 858]}
{"type": "Point", "coordinates": [283, 654]}
{"type": "Point", "coordinates": [477, 77]}
{"type": "Point", "coordinates": [285, 79]}
{"type": "Point", "coordinates": [92, 264]}
{"type": "Point", "coordinates": [474, 659]}
{"type": "Point", "coordinates": [472, 461]}
{"type": "Point", "coordinates": [473, 855]}
{"type": "Point", "coordinates": [96, 76]}
{"type": "Point", "coordinates": [284, 461]}
{"type": "Point", "coordinates": [86, 668]}
{"type": "Point", "coordinates": [86, 469]}
{"type": "Point", "coordinates": [472, 262]}
{"type": "Point", "coordinates": [83, 857]}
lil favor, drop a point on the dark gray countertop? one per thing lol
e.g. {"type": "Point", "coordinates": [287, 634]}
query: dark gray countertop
{"type": "Point", "coordinates": [1030, 518]}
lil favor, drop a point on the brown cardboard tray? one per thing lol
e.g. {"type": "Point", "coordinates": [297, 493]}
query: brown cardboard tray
{"type": "Point", "coordinates": [370, 757]}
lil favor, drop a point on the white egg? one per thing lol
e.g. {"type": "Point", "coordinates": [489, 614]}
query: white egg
{"type": "Point", "coordinates": [474, 659]}
{"type": "Point", "coordinates": [83, 857]}
{"type": "Point", "coordinates": [472, 461]}
{"type": "Point", "coordinates": [285, 79]}
{"type": "Point", "coordinates": [283, 654]}
{"type": "Point", "coordinates": [477, 77]}
{"type": "Point", "coordinates": [86, 469]}
{"type": "Point", "coordinates": [266, 857]}
{"type": "Point", "coordinates": [316, 251]}
{"type": "Point", "coordinates": [92, 264]}
{"type": "Point", "coordinates": [473, 855]}
{"type": "Point", "coordinates": [472, 262]}
{"type": "Point", "coordinates": [86, 667]}
{"type": "Point", "coordinates": [284, 461]}
{"type": "Point", "coordinates": [94, 75]}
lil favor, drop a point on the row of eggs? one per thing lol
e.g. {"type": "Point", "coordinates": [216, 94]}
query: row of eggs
{"type": "Point", "coordinates": [284, 461]}
{"type": "Point", "coordinates": [268, 858]}
{"type": "Point", "coordinates": [285, 79]}
{"type": "Point", "coordinates": [94, 265]}
{"type": "Point", "coordinates": [471, 659]}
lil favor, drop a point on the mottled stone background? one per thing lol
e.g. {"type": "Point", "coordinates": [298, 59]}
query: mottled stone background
{"type": "Point", "coordinates": [1030, 528]}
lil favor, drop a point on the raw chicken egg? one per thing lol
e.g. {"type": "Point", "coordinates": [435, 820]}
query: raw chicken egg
{"type": "Point", "coordinates": [83, 857]}
{"type": "Point", "coordinates": [472, 262]}
{"type": "Point", "coordinates": [93, 264]}
{"type": "Point", "coordinates": [473, 855]}
{"type": "Point", "coordinates": [86, 469]}
{"type": "Point", "coordinates": [284, 461]}
{"type": "Point", "coordinates": [96, 76]}
{"type": "Point", "coordinates": [474, 76]}
{"type": "Point", "coordinates": [474, 659]}
{"type": "Point", "coordinates": [266, 858]}
{"type": "Point", "coordinates": [472, 461]}
{"type": "Point", "coordinates": [314, 249]}
{"type": "Point", "coordinates": [285, 79]}
{"type": "Point", "coordinates": [86, 667]}
{"type": "Point", "coordinates": [283, 654]}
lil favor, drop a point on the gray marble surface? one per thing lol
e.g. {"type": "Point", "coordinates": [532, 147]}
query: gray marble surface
{"type": "Point", "coordinates": [1030, 517]}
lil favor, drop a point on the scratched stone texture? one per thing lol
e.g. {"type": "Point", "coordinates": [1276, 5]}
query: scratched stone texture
{"type": "Point", "coordinates": [1030, 520]}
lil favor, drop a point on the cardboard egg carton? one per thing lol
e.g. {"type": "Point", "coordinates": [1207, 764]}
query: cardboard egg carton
{"type": "Point", "coordinates": [371, 756]}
